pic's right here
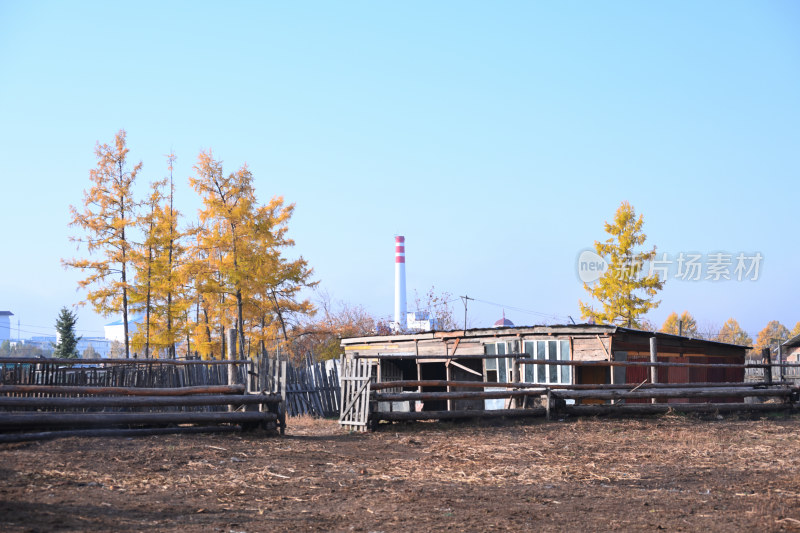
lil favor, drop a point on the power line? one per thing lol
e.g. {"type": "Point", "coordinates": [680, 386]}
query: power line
{"type": "Point", "coordinates": [523, 310]}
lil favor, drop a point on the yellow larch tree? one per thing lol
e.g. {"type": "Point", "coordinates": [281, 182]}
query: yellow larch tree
{"type": "Point", "coordinates": [773, 333]}
{"type": "Point", "coordinates": [143, 258]}
{"type": "Point", "coordinates": [683, 324]}
{"type": "Point", "coordinates": [207, 329]}
{"type": "Point", "coordinates": [732, 333]}
{"type": "Point", "coordinates": [160, 289]}
{"type": "Point", "coordinates": [625, 292]}
{"type": "Point", "coordinates": [273, 304]}
{"type": "Point", "coordinates": [109, 212]}
{"type": "Point", "coordinates": [239, 267]}
{"type": "Point", "coordinates": [228, 206]}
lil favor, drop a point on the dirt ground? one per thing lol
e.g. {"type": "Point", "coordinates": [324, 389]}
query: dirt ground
{"type": "Point", "coordinates": [668, 473]}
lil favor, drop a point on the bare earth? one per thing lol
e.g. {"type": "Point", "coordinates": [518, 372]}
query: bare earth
{"type": "Point", "coordinates": [671, 473]}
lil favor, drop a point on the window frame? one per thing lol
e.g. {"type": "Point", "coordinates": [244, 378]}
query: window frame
{"type": "Point", "coordinates": [496, 365]}
{"type": "Point", "coordinates": [544, 374]}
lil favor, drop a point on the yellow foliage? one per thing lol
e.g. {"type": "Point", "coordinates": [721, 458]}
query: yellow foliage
{"type": "Point", "coordinates": [109, 211]}
{"type": "Point", "coordinates": [684, 324]}
{"type": "Point", "coordinates": [625, 292]}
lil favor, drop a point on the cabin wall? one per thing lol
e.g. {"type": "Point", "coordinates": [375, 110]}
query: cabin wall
{"type": "Point", "coordinates": [585, 345]}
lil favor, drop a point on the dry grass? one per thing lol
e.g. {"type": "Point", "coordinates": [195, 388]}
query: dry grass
{"type": "Point", "coordinates": [670, 472]}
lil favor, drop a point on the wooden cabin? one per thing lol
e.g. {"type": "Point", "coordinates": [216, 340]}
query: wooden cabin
{"type": "Point", "coordinates": [462, 356]}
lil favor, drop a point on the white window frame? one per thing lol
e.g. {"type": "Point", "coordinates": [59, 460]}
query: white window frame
{"type": "Point", "coordinates": [543, 373]}
{"type": "Point", "coordinates": [507, 348]}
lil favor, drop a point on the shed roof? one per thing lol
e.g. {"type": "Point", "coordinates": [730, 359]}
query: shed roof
{"type": "Point", "coordinates": [6, 313]}
{"type": "Point", "coordinates": [794, 341]}
{"type": "Point", "coordinates": [558, 329]}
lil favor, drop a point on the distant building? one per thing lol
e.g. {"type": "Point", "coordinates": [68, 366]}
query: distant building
{"type": "Point", "coordinates": [503, 322]}
{"type": "Point", "coordinates": [100, 345]}
{"type": "Point", "coordinates": [791, 350]}
{"type": "Point", "coordinates": [5, 325]}
{"type": "Point", "coordinates": [115, 331]}
{"type": "Point", "coordinates": [47, 343]}
{"type": "Point", "coordinates": [421, 321]}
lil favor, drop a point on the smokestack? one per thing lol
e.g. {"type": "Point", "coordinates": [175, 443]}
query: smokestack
{"type": "Point", "coordinates": [400, 317]}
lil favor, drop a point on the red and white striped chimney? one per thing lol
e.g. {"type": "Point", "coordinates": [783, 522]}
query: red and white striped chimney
{"type": "Point", "coordinates": [400, 317]}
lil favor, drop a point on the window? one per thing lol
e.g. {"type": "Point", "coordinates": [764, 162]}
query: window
{"type": "Point", "coordinates": [547, 350]}
{"type": "Point", "coordinates": [499, 369]}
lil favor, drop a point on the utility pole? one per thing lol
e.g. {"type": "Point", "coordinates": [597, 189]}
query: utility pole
{"type": "Point", "coordinates": [465, 299]}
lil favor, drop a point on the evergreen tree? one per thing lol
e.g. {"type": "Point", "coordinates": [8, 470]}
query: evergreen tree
{"type": "Point", "coordinates": [66, 348]}
{"type": "Point", "coordinates": [624, 291]}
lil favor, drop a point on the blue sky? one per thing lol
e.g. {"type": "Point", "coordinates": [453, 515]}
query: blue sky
{"type": "Point", "coordinates": [497, 137]}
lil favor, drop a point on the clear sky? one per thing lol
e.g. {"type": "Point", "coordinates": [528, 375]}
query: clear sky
{"type": "Point", "coordinates": [496, 136]}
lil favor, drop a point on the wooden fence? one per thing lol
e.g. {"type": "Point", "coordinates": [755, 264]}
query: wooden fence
{"type": "Point", "coordinates": [121, 372]}
{"type": "Point", "coordinates": [306, 390]}
{"type": "Point", "coordinates": [313, 390]}
{"type": "Point", "coordinates": [134, 396]}
{"type": "Point", "coordinates": [532, 399]}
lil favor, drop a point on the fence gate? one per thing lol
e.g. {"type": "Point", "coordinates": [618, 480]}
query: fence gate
{"type": "Point", "coordinates": [356, 376]}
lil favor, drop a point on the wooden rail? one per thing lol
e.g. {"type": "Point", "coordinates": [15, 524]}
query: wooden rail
{"type": "Point", "coordinates": [115, 432]}
{"type": "Point", "coordinates": [676, 392]}
{"type": "Point", "coordinates": [90, 402]}
{"type": "Point", "coordinates": [521, 385]}
{"type": "Point", "coordinates": [524, 358]}
{"type": "Point", "coordinates": [75, 420]}
{"type": "Point", "coordinates": [121, 391]}
{"type": "Point", "coordinates": [75, 408]}
{"type": "Point", "coordinates": [128, 361]}
{"type": "Point", "coordinates": [455, 395]}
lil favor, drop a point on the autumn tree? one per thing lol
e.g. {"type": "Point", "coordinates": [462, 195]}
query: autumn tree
{"type": "Point", "coordinates": [320, 336]}
{"type": "Point", "coordinates": [143, 258]}
{"type": "Point", "coordinates": [228, 202]}
{"type": "Point", "coordinates": [158, 291]}
{"type": "Point", "coordinates": [174, 285]}
{"type": "Point", "coordinates": [240, 247]}
{"type": "Point", "coordinates": [647, 325]}
{"type": "Point", "coordinates": [625, 291]}
{"type": "Point", "coordinates": [773, 333]}
{"type": "Point", "coordinates": [438, 308]}
{"type": "Point", "coordinates": [208, 292]}
{"type": "Point", "coordinates": [67, 344]}
{"type": "Point", "coordinates": [795, 331]}
{"type": "Point", "coordinates": [273, 303]}
{"type": "Point", "coordinates": [109, 212]}
{"type": "Point", "coordinates": [732, 333]}
{"type": "Point", "coordinates": [685, 324]}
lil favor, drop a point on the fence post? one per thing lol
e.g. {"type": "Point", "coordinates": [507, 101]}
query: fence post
{"type": "Point", "coordinates": [549, 401]}
{"type": "Point", "coordinates": [766, 358]}
{"type": "Point", "coordinates": [653, 359]}
{"type": "Point", "coordinates": [515, 378]}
